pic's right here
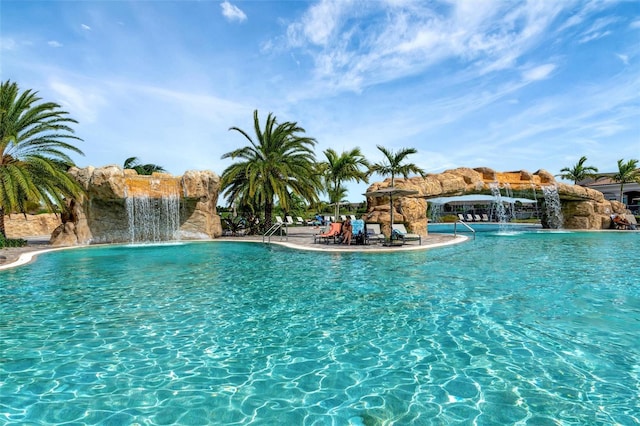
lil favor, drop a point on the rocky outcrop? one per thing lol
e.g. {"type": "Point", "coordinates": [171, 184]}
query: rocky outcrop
{"type": "Point", "coordinates": [582, 208]}
{"type": "Point", "coordinates": [19, 225]}
{"type": "Point", "coordinates": [101, 215]}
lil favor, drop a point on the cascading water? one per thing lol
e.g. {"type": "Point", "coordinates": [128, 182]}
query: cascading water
{"type": "Point", "coordinates": [498, 205]}
{"type": "Point", "coordinates": [553, 210]}
{"type": "Point", "coordinates": [435, 212]}
{"type": "Point", "coordinates": [153, 219]}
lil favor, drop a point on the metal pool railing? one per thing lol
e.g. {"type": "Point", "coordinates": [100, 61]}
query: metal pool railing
{"type": "Point", "coordinates": [455, 228]}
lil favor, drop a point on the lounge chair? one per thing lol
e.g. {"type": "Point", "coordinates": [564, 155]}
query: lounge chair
{"type": "Point", "coordinates": [300, 221]}
{"type": "Point", "coordinates": [289, 220]}
{"type": "Point", "coordinates": [461, 216]}
{"type": "Point", "coordinates": [485, 218]}
{"type": "Point", "coordinates": [469, 218]}
{"type": "Point", "coordinates": [476, 218]}
{"type": "Point", "coordinates": [279, 220]}
{"type": "Point", "coordinates": [401, 232]}
{"type": "Point", "coordinates": [373, 233]}
{"type": "Point", "coordinates": [352, 217]}
{"type": "Point", "coordinates": [343, 217]}
{"type": "Point", "coordinates": [334, 231]}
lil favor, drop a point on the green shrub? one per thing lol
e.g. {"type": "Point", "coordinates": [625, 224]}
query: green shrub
{"type": "Point", "coordinates": [449, 218]}
{"type": "Point", "coordinates": [7, 242]}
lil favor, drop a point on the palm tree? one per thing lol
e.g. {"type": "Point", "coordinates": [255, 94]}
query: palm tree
{"type": "Point", "coordinates": [627, 172]}
{"type": "Point", "coordinates": [278, 163]}
{"type": "Point", "coordinates": [579, 171]}
{"type": "Point", "coordinates": [393, 165]}
{"type": "Point", "coordinates": [142, 169]}
{"type": "Point", "coordinates": [33, 163]}
{"type": "Point", "coordinates": [348, 166]}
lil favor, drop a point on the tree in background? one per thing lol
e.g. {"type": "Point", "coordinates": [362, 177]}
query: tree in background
{"type": "Point", "coordinates": [627, 172]}
{"type": "Point", "coordinates": [393, 164]}
{"type": "Point", "coordinates": [277, 163]}
{"type": "Point", "coordinates": [34, 140]}
{"type": "Point", "coordinates": [142, 169]}
{"type": "Point", "coordinates": [348, 166]}
{"type": "Point", "coordinates": [579, 171]}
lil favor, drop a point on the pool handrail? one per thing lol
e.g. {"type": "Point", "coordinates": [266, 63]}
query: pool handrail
{"type": "Point", "coordinates": [455, 228]}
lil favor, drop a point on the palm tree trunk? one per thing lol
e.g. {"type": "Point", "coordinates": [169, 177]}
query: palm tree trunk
{"type": "Point", "coordinates": [268, 210]}
{"type": "Point", "coordinates": [3, 233]}
{"type": "Point", "coordinates": [621, 192]}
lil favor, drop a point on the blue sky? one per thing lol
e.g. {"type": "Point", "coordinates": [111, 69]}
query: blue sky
{"type": "Point", "coordinates": [509, 85]}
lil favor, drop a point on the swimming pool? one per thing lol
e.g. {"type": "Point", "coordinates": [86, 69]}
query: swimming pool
{"type": "Point", "coordinates": [523, 328]}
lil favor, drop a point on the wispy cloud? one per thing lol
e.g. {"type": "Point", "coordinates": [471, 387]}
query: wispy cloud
{"type": "Point", "coordinates": [623, 58]}
{"type": "Point", "coordinates": [407, 38]}
{"type": "Point", "coordinates": [540, 72]}
{"type": "Point", "coordinates": [54, 43]}
{"type": "Point", "coordinates": [85, 27]}
{"type": "Point", "coordinates": [7, 43]}
{"type": "Point", "coordinates": [232, 12]}
{"type": "Point", "coordinates": [597, 30]}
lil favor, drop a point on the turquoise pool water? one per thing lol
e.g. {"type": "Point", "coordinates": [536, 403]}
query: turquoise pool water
{"type": "Point", "coordinates": [526, 328]}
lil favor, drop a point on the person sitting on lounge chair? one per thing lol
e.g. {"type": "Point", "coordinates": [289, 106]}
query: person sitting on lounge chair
{"type": "Point", "coordinates": [622, 223]}
{"type": "Point", "coordinates": [347, 231]}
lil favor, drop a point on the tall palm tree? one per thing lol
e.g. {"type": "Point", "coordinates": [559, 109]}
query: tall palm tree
{"type": "Point", "coordinates": [392, 164]}
{"type": "Point", "coordinates": [279, 162]}
{"type": "Point", "coordinates": [348, 166]}
{"type": "Point", "coordinates": [579, 171]}
{"type": "Point", "coordinates": [627, 172]}
{"type": "Point", "coordinates": [142, 169]}
{"type": "Point", "coordinates": [34, 139]}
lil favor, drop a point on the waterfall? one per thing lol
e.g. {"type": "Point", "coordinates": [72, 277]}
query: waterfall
{"type": "Point", "coordinates": [553, 210]}
{"type": "Point", "coordinates": [153, 219]}
{"type": "Point", "coordinates": [500, 211]}
{"type": "Point", "coordinates": [435, 212]}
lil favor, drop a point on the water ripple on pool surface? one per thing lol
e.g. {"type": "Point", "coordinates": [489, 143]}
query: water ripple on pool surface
{"type": "Point", "coordinates": [502, 330]}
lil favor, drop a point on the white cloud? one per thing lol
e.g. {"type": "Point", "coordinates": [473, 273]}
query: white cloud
{"type": "Point", "coordinates": [7, 43]}
{"type": "Point", "coordinates": [623, 58]}
{"type": "Point", "coordinates": [597, 30]}
{"type": "Point", "coordinates": [85, 27]}
{"type": "Point", "coordinates": [388, 41]}
{"type": "Point", "coordinates": [80, 102]}
{"type": "Point", "coordinates": [54, 43]}
{"type": "Point", "coordinates": [635, 24]}
{"type": "Point", "coordinates": [232, 13]}
{"type": "Point", "coordinates": [540, 72]}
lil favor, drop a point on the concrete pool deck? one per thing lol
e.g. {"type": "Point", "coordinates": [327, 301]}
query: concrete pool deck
{"type": "Point", "coordinates": [300, 237]}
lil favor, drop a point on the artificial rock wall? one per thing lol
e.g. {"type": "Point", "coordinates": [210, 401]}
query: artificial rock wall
{"type": "Point", "coordinates": [582, 208]}
{"type": "Point", "coordinates": [101, 215]}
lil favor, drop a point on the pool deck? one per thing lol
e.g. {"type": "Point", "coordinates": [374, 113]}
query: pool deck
{"type": "Point", "coordinates": [300, 237]}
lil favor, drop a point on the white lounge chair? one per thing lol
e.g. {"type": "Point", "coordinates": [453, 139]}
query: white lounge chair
{"type": "Point", "coordinates": [401, 231]}
{"type": "Point", "coordinates": [352, 217]}
{"type": "Point", "coordinates": [343, 217]}
{"type": "Point", "coordinates": [485, 218]}
{"type": "Point", "coordinates": [461, 216]}
{"type": "Point", "coordinates": [476, 218]}
{"type": "Point", "coordinates": [299, 221]}
{"type": "Point", "coordinates": [469, 218]}
{"type": "Point", "coordinates": [279, 220]}
{"type": "Point", "coordinates": [373, 233]}
{"type": "Point", "coordinates": [289, 220]}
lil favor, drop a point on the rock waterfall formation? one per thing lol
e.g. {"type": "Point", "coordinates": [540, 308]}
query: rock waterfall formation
{"type": "Point", "coordinates": [104, 215]}
{"type": "Point", "coordinates": [582, 208]}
